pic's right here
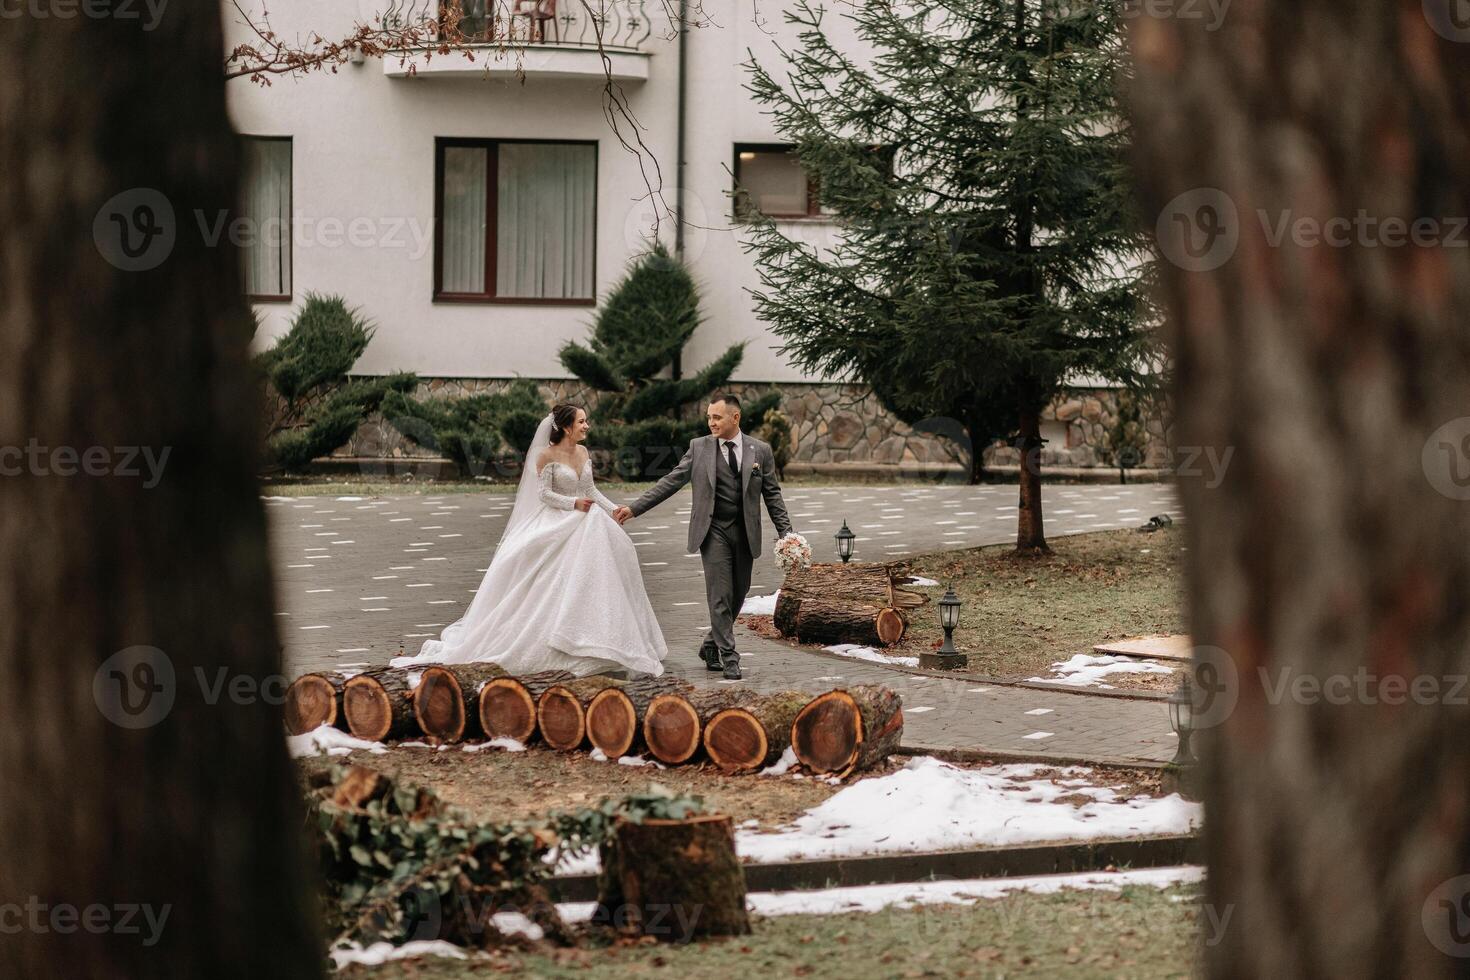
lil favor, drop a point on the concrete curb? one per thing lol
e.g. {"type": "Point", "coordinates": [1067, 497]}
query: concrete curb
{"type": "Point", "coordinates": [982, 756]}
{"type": "Point", "coordinates": [990, 862]}
{"type": "Point", "coordinates": [954, 473]}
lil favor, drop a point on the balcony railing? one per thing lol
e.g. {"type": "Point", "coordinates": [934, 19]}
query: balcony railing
{"type": "Point", "coordinates": [618, 24]}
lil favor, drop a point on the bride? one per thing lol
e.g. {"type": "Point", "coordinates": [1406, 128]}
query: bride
{"type": "Point", "coordinates": [564, 590]}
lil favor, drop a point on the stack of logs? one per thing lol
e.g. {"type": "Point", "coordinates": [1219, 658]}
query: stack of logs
{"type": "Point", "coordinates": [740, 731]}
{"type": "Point", "coordinates": [860, 602]}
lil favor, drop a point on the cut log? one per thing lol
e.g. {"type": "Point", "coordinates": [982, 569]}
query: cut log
{"type": "Point", "coordinates": [615, 715]}
{"type": "Point", "coordinates": [446, 701]}
{"type": "Point", "coordinates": [753, 732]}
{"type": "Point", "coordinates": [671, 728]}
{"type": "Point", "coordinates": [507, 707]}
{"type": "Point", "coordinates": [837, 620]}
{"type": "Point", "coordinates": [378, 704]}
{"type": "Point", "coordinates": [847, 730]}
{"type": "Point", "coordinates": [673, 879]}
{"type": "Point", "coordinates": [859, 602]}
{"type": "Point", "coordinates": [561, 711]}
{"type": "Point", "coordinates": [874, 583]}
{"type": "Point", "coordinates": [314, 700]}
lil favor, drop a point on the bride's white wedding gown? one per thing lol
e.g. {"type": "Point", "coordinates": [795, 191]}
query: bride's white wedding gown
{"type": "Point", "coordinates": [564, 591]}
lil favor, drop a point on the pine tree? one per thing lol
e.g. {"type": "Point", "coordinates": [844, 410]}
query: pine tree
{"type": "Point", "coordinates": [318, 408]}
{"type": "Point", "coordinates": [643, 418]}
{"type": "Point", "coordinates": [986, 248]}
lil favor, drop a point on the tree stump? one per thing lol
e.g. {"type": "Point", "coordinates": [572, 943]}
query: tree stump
{"type": "Point", "coordinates": [753, 731]}
{"type": "Point", "coordinates": [855, 603]}
{"type": "Point", "coordinates": [446, 701]}
{"type": "Point", "coordinates": [615, 715]}
{"type": "Point", "coordinates": [561, 711]}
{"type": "Point", "coordinates": [673, 879]}
{"type": "Point", "coordinates": [507, 707]}
{"type": "Point", "coordinates": [314, 700]}
{"type": "Point", "coordinates": [847, 730]}
{"type": "Point", "coordinates": [378, 704]}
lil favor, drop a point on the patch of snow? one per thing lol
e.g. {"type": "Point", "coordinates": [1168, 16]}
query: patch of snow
{"type": "Point", "coordinates": [415, 745]}
{"type": "Point", "coordinates": [636, 760]}
{"type": "Point", "coordinates": [351, 498]}
{"type": "Point", "coordinates": [506, 744]}
{"type": "Point", "coordinates": [781, 765]}
{"type": "Point", "coordinates": [1086, 670]}
{"type": "Point", "coordinates": [921, 581]}
{"type": "Point", "coordinates": [873, 898]}
{"type": "Point", "coordinates": [760, 605]}
{"type": "Point", "coordinates": [332, 741]}
{"type": "Point", "coordinates": [516, 924]}
{"type": "Point", "coordinates": [930, 805]}
{"type": "Point", "coordinates": [379, 953]}
{"type": "Point", "coordinates": [597, 755]}
{"type": "Point", "coordinates": [858, 652]}
{"type": "Point", "coordinates": [413, 677]}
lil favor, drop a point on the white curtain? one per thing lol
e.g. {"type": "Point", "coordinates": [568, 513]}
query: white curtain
{"type": "Point", "coordinates": [266, 207]}
{"type": "Point", "coordinates": [546, 217]}
{"type": "Point", "coordinates": [464, 219]}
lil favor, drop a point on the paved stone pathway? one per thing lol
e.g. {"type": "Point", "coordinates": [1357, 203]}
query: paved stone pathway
{"type": "Point", "coordinates": [359, 577]}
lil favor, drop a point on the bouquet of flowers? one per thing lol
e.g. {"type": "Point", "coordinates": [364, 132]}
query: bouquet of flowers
{"type": "Point", "coordinates": [792, 551]}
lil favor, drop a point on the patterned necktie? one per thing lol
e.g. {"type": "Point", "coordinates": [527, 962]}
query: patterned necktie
{"type": "Point", "coordinates": [734, 466]}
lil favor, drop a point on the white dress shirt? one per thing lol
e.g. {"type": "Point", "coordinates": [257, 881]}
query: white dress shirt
{"type": "Point", "coordinates": [725, 452]}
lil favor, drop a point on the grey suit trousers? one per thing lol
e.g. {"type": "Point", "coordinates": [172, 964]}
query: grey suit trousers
{"type": "Point", "coordinates": [727, 559]}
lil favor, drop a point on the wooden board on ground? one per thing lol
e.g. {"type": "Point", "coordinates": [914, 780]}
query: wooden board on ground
{"type": "Point", "coordinates": [1176, 647]}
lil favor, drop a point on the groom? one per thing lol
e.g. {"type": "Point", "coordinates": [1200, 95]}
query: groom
{"type": "Point", "coordinates": [731, 472]}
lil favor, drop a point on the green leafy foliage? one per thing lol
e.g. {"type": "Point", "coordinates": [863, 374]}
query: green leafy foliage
{"type": "Point", "coordinates": [318, 408]}
{"type": "Point", "coordinates": [403, 865]}
{"type": "Point", "coordinates": [471, 430]}
{"type": "Point", "coordinates": [976, 170]}
{"type": "Point", "coordinates": [643, 421]}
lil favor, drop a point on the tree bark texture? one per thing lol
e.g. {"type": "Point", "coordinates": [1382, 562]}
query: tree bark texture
{"type": "Point", "coordinates": [1329, 369]}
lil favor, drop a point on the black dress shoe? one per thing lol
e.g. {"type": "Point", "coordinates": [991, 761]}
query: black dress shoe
{"type": "Point", "coordinates": [731, 665]}
{"type": "Point", "coordinates": [711, 657]}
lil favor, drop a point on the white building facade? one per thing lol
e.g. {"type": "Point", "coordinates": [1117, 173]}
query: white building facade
{"type": "Point", "coordinates": [476, 210]}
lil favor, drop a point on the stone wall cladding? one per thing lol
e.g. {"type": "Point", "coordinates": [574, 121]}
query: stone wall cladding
{"type": "Point", "coordinates": [831, 423]}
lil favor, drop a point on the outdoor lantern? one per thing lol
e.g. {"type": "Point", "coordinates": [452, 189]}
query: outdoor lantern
{"type": "Point", "coordinates": [1182, 774]}
{"type": "Point", "coordinates": [845, 538]}
{"type": "Point", "coordinates": [1181, 719]}
{"type": "Point", "coordinates": [946, 657]}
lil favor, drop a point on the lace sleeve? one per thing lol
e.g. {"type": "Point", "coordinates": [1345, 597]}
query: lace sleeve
{"type": "Point", "coordinates": [550, 497]}
{"type": "Point", "coordinates": [598, 496]}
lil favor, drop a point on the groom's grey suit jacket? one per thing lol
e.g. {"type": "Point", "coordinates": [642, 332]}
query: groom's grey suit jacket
{"type": "Point", "coordinates": [757, 478]}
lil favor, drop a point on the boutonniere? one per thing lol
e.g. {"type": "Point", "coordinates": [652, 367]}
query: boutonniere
{"type": "Point", "coordinates": [755, 467]}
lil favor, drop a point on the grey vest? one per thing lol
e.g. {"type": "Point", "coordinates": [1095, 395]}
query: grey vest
{"type": "Point", "coordinates": [729, 508]}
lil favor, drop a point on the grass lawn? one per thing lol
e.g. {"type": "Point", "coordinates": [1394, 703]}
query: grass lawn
{"type": "Point", "coordinates": [1020, 615]}
{"type": "Point", "coordinates": [1136, 932]}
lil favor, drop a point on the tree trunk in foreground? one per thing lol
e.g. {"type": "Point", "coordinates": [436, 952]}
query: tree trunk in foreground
{"type": "Point", "coordinates": [1332, 557]}
{"type": "Point", "coordinates": [137, 633]}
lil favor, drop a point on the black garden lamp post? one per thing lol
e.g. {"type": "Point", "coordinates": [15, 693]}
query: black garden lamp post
{"type": "Point", "coordinates": [946, 657]}
{"type": "Point", "coordinates": [845, 538]}
{"type": "Point", "coordinates": [1182, 774]}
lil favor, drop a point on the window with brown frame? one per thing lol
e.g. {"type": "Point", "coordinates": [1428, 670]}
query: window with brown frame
{"type": "Point", "coordinates": [265, 207]}
{"type": "Point", "coordinates": [769, 180]}
{"type": "Point", "coordinates": [516, 221]}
